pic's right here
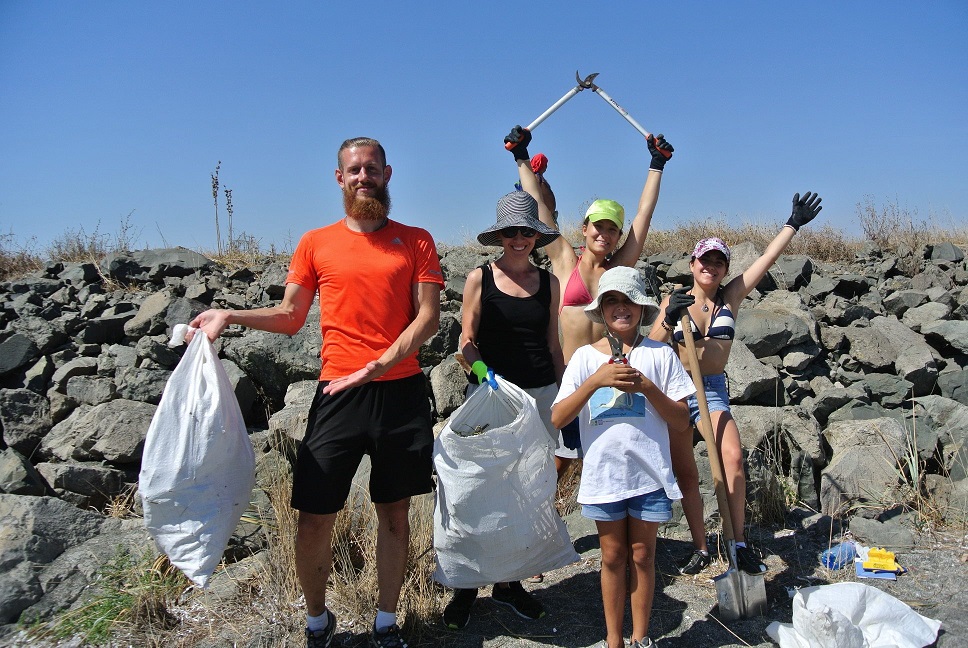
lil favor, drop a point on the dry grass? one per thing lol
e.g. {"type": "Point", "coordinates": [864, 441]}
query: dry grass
{"type": "Point", "coordinates": [822, 243]}
{"type": "Point", "coordinates": [17, 259]}
{"type": "Point", "coordinates": [354, 577]}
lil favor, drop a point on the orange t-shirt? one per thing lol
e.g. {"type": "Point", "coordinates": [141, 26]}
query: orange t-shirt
{"type": "Point", "coordinates": [365, 283]}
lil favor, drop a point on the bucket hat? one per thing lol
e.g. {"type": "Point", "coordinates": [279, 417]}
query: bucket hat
{"type": "Point", "coordinates": [710, 244]}
{"type": "Point", "coordinates": [603, 209]}
{"type": "Point", "coordinates": [518, 209]}
{"type": "Point", "coordinates": [627, 281]}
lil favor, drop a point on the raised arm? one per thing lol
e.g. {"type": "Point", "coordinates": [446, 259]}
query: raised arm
{"type": "Point", "coordinates": [562, 255]}
{"type": "Point", "coordinates": [630, 251]}
{"type": "Point", "coordinates": [554, 342]}
{"type": "Point", "coordinates": [804, 210]}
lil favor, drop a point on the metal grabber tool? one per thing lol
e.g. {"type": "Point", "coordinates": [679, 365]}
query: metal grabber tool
{"type": "Point", "coordinates": [587, 83]}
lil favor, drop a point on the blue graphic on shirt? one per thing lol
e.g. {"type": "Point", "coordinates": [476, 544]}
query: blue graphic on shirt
{"type": "Point", "coordinates": [609, 403]}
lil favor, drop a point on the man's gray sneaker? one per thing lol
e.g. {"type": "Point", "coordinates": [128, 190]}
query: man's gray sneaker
{"type": "Point", "coordinates": [389, 638]}
{"type": "Point", "coordinates": [322, 638]}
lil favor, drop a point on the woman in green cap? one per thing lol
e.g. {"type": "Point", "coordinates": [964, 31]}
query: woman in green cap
{"type": "Point", "coordinates": [579, 273]}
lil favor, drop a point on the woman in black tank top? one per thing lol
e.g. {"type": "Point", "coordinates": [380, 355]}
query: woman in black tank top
{"type": "Point", "coordinates": [510, 325]}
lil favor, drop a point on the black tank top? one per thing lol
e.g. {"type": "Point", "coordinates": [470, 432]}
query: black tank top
{"type": "Point", "coordinates": [512, 334]}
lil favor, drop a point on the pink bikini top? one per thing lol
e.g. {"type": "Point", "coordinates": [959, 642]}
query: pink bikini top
{"type": "Point", "coordinates": [576, 292]}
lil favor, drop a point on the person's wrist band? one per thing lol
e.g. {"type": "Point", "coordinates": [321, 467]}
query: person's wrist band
{"type": "Point", "coordinates": [654, 169]}
{"type": "Point", "coordinates": [664, 325]}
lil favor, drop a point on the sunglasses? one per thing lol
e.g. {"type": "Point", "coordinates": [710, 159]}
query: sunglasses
{"type": "Point", "coordinates": [511, 232]}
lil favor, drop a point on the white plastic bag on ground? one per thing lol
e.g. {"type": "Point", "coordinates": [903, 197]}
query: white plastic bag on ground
{"type": "Point", "coordinates": [198, 467]}
{"type": "Point", "coordinates": [852, 615]}
{"type": "Point", "coordinates": [495, 518]}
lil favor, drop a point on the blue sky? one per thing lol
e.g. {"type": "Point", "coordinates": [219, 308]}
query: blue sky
{"type": "Point", "coordinates": [116, 108]}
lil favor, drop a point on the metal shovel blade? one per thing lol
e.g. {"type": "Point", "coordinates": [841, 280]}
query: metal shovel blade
{"type": "Point", "coordinates": [740, 595]}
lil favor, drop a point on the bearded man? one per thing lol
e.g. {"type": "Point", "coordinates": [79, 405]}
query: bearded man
{"type": "Point", "coordinates": [379, 285]}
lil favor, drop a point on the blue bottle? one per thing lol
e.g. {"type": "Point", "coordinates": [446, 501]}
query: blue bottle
{"type": "Point", "coordinates": [839, 555]}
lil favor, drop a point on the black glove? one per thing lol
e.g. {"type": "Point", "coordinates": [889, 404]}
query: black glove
{"type": "Point", "coordinates": [804, 209]}
{"type": "Point", "coordinates": [519, 138]}
{"type": "Point", "coordinates": [679, 301]}
{"type": "Point", "coordinates": [661, 151]}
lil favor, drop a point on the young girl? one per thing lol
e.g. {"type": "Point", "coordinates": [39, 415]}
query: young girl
{"type": "Point", "coordinates": [626, 398]}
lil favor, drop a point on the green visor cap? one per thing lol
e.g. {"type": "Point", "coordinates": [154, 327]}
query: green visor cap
{"type": "Point", "coordinates": [606, 210]}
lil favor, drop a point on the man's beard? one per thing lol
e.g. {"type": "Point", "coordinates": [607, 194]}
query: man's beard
{"type": "Point", "coordinates": [367, 208]}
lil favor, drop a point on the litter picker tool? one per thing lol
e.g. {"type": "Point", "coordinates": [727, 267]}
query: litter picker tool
{"type": "Point", "coordinates": [739, 594]}
{"type": "Point", "coordinates": [587, 83]}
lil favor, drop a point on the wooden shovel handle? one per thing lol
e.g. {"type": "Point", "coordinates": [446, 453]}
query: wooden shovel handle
{"type": "Point", "coordinates": [706, 430]}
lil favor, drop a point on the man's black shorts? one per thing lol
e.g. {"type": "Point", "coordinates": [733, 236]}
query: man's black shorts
{"type": "Point", "coordinates": [388, 420]}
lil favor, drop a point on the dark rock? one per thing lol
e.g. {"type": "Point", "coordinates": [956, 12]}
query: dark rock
{"type": "Point", "coordinates": [18, 476]}
{"type": "Point", "coordinates": [16, 351]}
{"type": "Point", "coordinates": [748, 377]}
{"type": "Point", "coordinates": [95, 483]}
{"type": "Point", "coordinates": [954, 385]}
{"type": "Point", "coordinates": [90, 390]}
{"type": "Point", "coordinates": [157, 349]}
{"type": "Point", "coordinates": [24, 419]}
{"type": "Point", "coordinates": [71, 368]}
{"type": "Point", "coordinates": [79, 274]}
{"type": "Point", "coordinates": [36, 531]}
{"type": "Point", "coordinates": [443, 343]}
{"type": "Point", "coordinates": [885, 535]}
{"type": "Point", "coordinates": [140, 384]}
{"type": "Point", "coordinates": [150, 319]}
{"type": "Point", "coordinates": [946, 251]}
{"type": "Point", "coordinates": [107, 329]}
{"type": "Point", "coordinates": [931, 276]}
{"type": "Point", "coordinates": [862, 466]}
{"type": "Point", "coordinates": [793, 272]}
{"type": "Point", "coordinates": [114, 432]}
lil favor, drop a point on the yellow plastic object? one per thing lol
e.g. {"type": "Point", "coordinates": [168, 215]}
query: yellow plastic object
{"type": "Point", "coordinates": [881, 559]}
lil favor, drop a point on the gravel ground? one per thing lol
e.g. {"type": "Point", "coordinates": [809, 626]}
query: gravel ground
{"type": "Point", "coordinates": [683, 614]}
{"type": "Point", "coordinates": [936, 585]}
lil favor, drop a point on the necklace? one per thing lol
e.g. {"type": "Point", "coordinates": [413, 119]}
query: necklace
{"type": "Point", "coordinates": [705, 307]}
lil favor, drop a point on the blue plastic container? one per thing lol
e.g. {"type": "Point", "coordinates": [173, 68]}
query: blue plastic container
{"type": "Point", "coordinates": [839, 555]}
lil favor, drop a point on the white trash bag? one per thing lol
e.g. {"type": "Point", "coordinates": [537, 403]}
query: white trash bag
{"type": "Point", "coordinates": [198, 467]}
{"type": "Point", "coordinates": [495, 518]}
{"type": "Point", "coordinates": [852, 615]}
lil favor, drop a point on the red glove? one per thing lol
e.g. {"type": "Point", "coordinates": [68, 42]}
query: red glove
{"type": "Point", "coordinates": [539, 163]}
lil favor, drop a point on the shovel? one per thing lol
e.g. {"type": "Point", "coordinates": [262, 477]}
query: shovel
{"type": "Point", "coordinates": [740, 595]}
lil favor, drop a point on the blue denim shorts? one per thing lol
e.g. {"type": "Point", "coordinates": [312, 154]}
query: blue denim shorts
{"type": "Point", "coordinates": [650, 507]}
{"type": "Point", "coordinates": [717, 396]}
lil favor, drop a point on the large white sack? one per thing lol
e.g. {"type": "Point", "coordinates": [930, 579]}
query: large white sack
{"type": "Point", "coordinates": [495, 518]}
{"type": "Point", "coordinates": [852, 615]}
{"type": "Point", "coordinates": [198, 467]}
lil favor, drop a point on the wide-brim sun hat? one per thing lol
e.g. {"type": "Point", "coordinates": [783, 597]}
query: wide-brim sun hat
{"type": "Point", "coordinates": [604, 209]}
{"type": "Point", "coordinates": [629, 282]}
{"type": "Point", "coordinates": [518, 209]}
{"type": "Point", "coordinates": [711, 244]}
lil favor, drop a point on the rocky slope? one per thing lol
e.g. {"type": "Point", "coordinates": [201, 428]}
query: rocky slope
{"type": "Point", "coordinates": [850, 384]}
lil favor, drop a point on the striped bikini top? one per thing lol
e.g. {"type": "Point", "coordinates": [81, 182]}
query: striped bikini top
{"type": "Point", "coordinates": [722, 326]}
